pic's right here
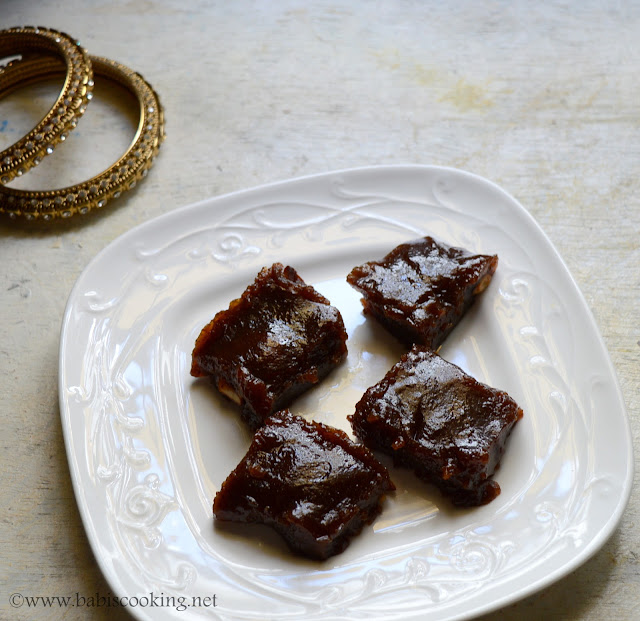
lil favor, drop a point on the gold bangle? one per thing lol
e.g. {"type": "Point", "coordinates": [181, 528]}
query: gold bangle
{"type": "Point", "coordinates": [122, 175]}
{"type": "Point", "coordinates": [71, 103]}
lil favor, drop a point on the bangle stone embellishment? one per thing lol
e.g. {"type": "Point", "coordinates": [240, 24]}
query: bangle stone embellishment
{"type": "Point", "coordinates": [29, 42]}
{"type": "Point", "coordinates": [121, 176]}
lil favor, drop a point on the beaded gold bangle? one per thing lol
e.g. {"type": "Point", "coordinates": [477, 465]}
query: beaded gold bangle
{"type": "Point", "coordinates": [26, 42]}
{"type": "Point", "coordinates": [122, 175]}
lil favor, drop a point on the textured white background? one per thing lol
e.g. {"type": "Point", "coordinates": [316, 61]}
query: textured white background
{"type": "Point", "coordinates": [542, 99]}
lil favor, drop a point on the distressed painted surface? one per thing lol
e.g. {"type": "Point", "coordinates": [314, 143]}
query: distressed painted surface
{"type": "Point", "coordinates": [542, 99]}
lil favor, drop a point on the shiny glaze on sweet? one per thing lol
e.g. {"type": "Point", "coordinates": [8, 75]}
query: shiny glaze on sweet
{"type": "Point", "coordinates": [432, 417]}
{"type": "Point", "coordinates": [280, 337]}
{"type": "Point", "coordinates": [421, 289]}
{"type": "Point", "coordinates": [308, 481]}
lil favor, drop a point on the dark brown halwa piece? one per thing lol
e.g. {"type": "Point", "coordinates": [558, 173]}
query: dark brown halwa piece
{"type": "Point", "coordinates": [274, 342]}
{"type": "Point", "coordinates": [308, 481]}
{"type": "Point", "coordinates": [442, 423]}
{"type": "Point", "coordinates": [421, 289]}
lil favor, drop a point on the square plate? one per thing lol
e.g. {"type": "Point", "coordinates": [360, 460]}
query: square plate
{"type": "Point", "coordinates": [149, 446]}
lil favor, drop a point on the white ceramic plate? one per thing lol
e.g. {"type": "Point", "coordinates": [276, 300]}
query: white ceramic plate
{"type": "Point", "coordinates": [149, 446]}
